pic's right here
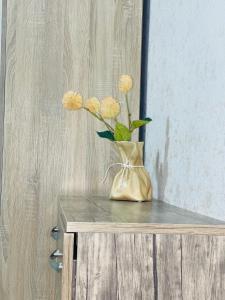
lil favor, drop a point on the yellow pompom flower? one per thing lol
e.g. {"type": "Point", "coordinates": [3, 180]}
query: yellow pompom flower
{"type": "Point", "coordinates": [72, 101]}
{"type": "Point", "coordinates": [110, 108]}
{"type": "Point", "coordinates": [93, 105]}
{"type": "Point", "coordinates": [125, 83]}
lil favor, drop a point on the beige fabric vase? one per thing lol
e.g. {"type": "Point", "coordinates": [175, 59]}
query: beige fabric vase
{"type": "Point", "coordinates": [132, 182]}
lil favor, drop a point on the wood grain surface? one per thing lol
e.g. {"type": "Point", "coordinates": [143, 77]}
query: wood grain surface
{"type": "Point", "coordinates": [67, 271]}
{"type": "Point", "coordinates": [2, 86]}
{"type": "Point", "coordinates": [168, 267]}
{"type": "Point", "coordinates": [58, 275]}
{"type": "Point", "coordinates": [114, 267]}
{"type": "Point", "coordinates": [134, 257]}
{"type": "Point", "coordinates": [53, 46]}
{"type": "Point", "coordinates": [203, 267]}
{"type": "Point", "coordinates": [144, 266]}
{"type": "Point", "coordinates": [99, 214]}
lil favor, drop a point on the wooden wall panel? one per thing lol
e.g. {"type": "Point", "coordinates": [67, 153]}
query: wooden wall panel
{"type": "Point", "coordinates": [3, 232]}
{"type": "Point", "coordinates": [203, 267]}
{"type": "Point", "coordinates": [2, 85]}
{"type": "Point", "coordinates": [106, 43]}
{"type": "Point", "coordinates": [53, 46]}
{"type": "Point", "coordinates": [114, 266]}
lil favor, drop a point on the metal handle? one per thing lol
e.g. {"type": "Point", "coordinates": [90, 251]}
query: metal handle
{"type": "Point", "coordinates": [56, 266]}
{"type": "Point", "coordinates": [54, 260]}
{"type": "Point", "coordinates": [56, 254]}
{"type": "Point", "coordinates": [55, 233]}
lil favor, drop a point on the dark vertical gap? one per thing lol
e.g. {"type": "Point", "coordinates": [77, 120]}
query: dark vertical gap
{"type": "Point", "coordinates": [155, 275]}
{"type": "Point", "coordinates": [144, 64]}
{"type": "Point", "coordinates": [74, 278]}
{"type": "Point", "coordinates": [2, 88]}
{"type": "Point", "coordinates": [75, 247]}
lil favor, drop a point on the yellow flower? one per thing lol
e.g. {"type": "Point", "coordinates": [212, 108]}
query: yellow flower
{"type": "Point", "coordinates": [125, 83]}
{"type": "Point", "coordinates": [93, 105]}
{"type": "Point", "coordinates": [110, 108]}
{"type": "Point", "coordinates": [72, 100]}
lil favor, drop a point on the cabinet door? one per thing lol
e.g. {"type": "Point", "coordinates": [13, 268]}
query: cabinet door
{"type": "Point", "coordinates": [144, 266]}
{"type": "Point", "coordinates": [190, 267]}
{"type": "Point", "coordinates": [114, 266]}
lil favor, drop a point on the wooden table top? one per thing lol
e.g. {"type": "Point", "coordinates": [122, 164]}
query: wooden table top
{"type": "Point", "coordinates": [99, 214]}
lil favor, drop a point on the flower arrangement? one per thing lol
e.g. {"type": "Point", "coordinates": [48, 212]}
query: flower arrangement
{"type": "Point", "coordinates": [108, 108]}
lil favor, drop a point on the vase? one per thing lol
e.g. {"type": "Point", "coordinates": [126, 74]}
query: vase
{"type": "Point", "coordinates": [132, 182]}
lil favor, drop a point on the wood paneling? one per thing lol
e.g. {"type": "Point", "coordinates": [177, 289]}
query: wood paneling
{"type": "Point", "coordinates": [134, 257]}
{"type": "Point", "coordinates": [67, 272]}
{"type": "Point", "coordinates": [168, 267]}
{"type": "Point", "coordinates": [3, 230]}
{"type": "Point", "coordinates": [114, 266]}
{"type": "Point", "coordinates": [64, 277]}
{"type": "Point", "coordinates": [203, 267]}
{"type": "Point", "coordinates": [60, 247]}
{"type": "Point", "coordinates": [142, 266]}
{"type": "Point", "coordinates": [189, 267]}
{"type": "Point", "coordinates": [2, 86]}
{"type": "Point", "coordinates": [53, 46]}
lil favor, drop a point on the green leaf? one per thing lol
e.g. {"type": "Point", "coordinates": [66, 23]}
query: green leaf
{"type": "Point", "coordinates": [106, 135]}
{"type": "Point", "coordinates": [138, 123]}
{"type": "Point", "coordinates": [148, 119]}
{"type": "Point", "coordinates": [122, 133]}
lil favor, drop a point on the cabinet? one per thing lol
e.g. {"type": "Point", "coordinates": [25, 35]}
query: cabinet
{"type": "Point", "coordinates": [139, 251]}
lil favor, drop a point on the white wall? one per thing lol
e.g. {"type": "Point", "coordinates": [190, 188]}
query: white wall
{"type": "Point", "coordinates": [185, 144]}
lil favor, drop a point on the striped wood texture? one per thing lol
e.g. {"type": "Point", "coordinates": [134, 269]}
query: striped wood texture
{"type": "Point", "coordinates": [113, 267]}
{"type": "Point", "coordinates": [144, 267]}
{"type": "Point", "coordinates": [53, 46]}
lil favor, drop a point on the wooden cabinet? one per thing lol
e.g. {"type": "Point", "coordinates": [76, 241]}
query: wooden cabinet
{"type": "Point", "coordinates": [122, 252]}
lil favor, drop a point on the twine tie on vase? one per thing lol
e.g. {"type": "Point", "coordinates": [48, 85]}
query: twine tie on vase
{"type": "Point", "coordinates": [125, 166]}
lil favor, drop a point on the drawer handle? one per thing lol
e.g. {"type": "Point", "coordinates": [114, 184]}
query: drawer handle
{"type": "Point", "coordinates": [56, 254]}
{"type": "Point", "coordinates": [55, 233]}
{"type": "Point", "coordinates": [56, 266]}
{"type": "Point", "coordinates": [54, 260]}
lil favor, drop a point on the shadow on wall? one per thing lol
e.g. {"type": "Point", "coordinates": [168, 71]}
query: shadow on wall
{"type": "Point", "coordinates": [162, 167]}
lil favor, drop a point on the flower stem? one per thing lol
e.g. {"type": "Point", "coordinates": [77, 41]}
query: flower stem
{"type": "Point", "coordinates": [106, 124]}
{"type": "Point", "coordinates": [99, 117]}
{"type": "Point", "coordinates": [128, 112]}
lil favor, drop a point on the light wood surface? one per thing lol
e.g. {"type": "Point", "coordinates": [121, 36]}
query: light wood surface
{"type": "Point", "coordinates": [134, 257]}
{"type": "Point", "coordinates": [144, 266]}
{"type": "Point", "coordinates": [64, 277]}
{"type": "Point", "coordinates": [51, 47]}
{"type": "Point", "coordinates": [74, 280]}
{"type": "Point", "coordinates": [203, 267]}
{"type": "Point", "coordinates": [99, 214]}
{"type": "Point", "coordinates": [58, 275]}
{"type": "Point", "coordinates": [109, 266]}
{"type": "Point", "coordinates": [67, 271]}
{"type": "Point", "coordinates": [2, 86]}
{"type": "Point", "coordinates": [169, 267]}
